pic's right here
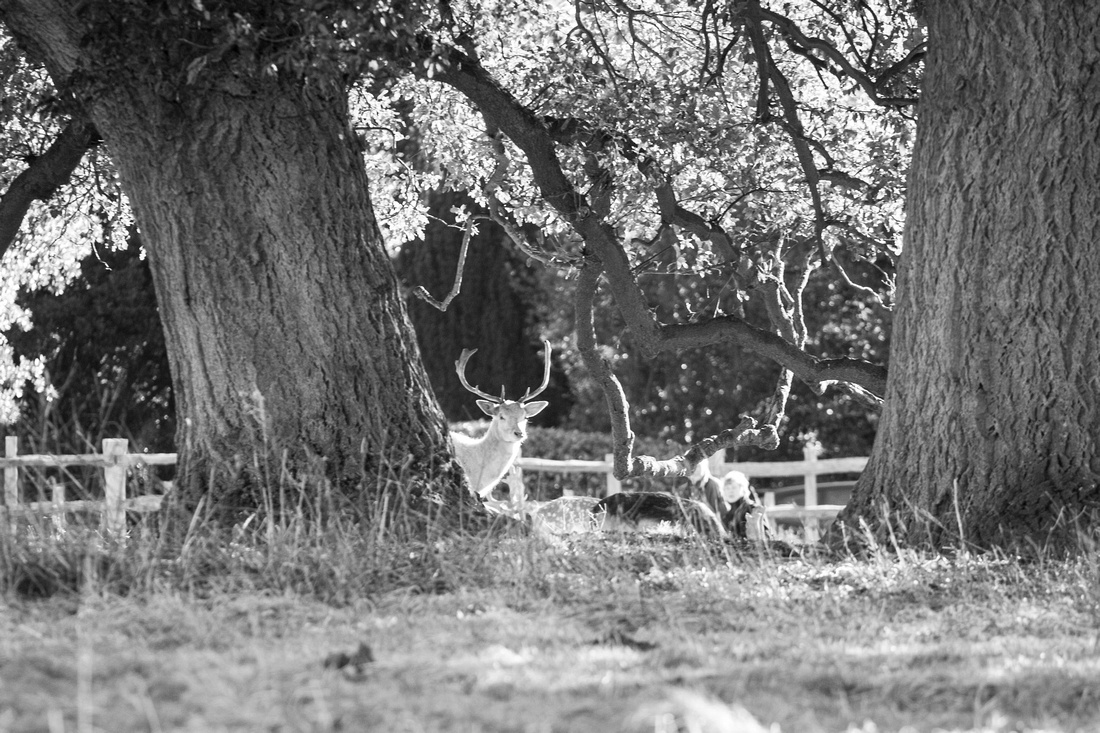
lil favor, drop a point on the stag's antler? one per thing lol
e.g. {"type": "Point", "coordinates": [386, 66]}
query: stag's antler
{"type": "Point", "coordinates": [529, 395]}
{"type": "Point", "coordinates": [460, 368]}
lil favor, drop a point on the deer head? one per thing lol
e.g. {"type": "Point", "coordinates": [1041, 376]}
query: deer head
{"type": "Point", "coordinates": [509, 416]}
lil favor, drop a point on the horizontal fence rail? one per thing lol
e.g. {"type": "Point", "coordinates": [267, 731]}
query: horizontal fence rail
{"type": "Point", "coordinates": [810, 512]}
{"type": "Point", "coordinates": [116, 460]}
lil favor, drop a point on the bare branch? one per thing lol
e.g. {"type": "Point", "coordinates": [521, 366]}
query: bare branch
{"type": "Point", "coordinates": [809, 369]}
{"type": "Point", "coordinates": [775, 406]}
{"type": "Point", "coordinates": [421, 292]}
{"type": "Point", "coordinates": [44, 175]}
{"type": "Point", "coordinates": [674, 213]}
{"type": "Point", "coordinates": [863, 289]}
{"type": "Point", "coordinates": [792, 121]}
{"type": "Point", "coordinates": [791, 30]}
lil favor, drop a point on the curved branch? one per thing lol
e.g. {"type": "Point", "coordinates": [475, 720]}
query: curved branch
{"type": "Point", "coordinates": [441, 305]}
{"type": "Point", "coordinates": [673, 212]}
{"type": "Point", "coordinates": [810, 369]}
{"type": "Point", "coordinates": [626, 464]}
{"type": "Point", "coordinates": [791, 30]}
{"type": "Point", "coordinates": [531, 135]}
{"type": "Point", "coordinates": [503, 111]}
{"type": "Point", "coordinates": [791, 120]}
{"type": "Point", "coordinates": [44, 175]}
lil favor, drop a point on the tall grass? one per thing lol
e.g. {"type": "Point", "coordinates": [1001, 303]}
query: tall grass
{"type": "Point", "coordinates": [889, 634]}
{"type": "Point", "coordinates": [303, 537]}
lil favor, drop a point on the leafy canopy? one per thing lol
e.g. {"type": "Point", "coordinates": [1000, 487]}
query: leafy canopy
{"type": "Point", "coordinates": [746, 148]}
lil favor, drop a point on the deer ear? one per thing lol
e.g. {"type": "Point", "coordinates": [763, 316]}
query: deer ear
{"type": "Point", "coordinates": [533, 408]}
{"type": "Point", "coordinates": [489, 408]}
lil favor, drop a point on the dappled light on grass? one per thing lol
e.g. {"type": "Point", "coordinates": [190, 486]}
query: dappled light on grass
{"type": "Point", "coordinates": [236, 626]}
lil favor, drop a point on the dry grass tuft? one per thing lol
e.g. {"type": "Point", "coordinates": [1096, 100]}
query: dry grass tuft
{"type": "Point", "coordinates": [331, 619]}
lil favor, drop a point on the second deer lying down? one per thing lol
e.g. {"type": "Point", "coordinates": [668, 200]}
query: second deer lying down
{"type": "Point", "coordinates": [486, 459]}
{"type": "Point", "coordinates": [642, 510]}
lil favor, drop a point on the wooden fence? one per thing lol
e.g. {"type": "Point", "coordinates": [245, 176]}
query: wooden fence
{"type": "Point", "coordinates": [808, 469]}
{"type": "Point", "coordinates": [116, 460]}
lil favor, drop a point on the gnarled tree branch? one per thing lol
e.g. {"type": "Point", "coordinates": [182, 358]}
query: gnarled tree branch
{"type": "Point", "coordinates": [44, 175]}
{"type": "Point", "coordinates": [531, 135]}
{"type": "Point", "coordinates": [626, 463]}
{"type": "Point", "coordinates": [802, 44]}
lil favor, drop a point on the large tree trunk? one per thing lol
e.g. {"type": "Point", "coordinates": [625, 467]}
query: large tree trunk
{"type": "Point", "coordinates": [283, 320]}
{"type": "Point", "coordinates": [992, 414]}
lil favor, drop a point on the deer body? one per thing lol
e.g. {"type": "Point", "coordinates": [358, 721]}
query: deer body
{"type": "Point", "coordinates": [485, 460]}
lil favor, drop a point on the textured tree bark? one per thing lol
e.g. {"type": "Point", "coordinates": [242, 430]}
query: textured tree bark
{"type": "Point", "coordinates": [284, 325]}
{"type": "Point", "coordinates": [992, 416]}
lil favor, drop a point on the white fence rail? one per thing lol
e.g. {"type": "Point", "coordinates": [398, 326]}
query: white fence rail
{"type": "Point", "coordinates": [808, 469]}
{"type": "Point", "coordinates": [116, 460]}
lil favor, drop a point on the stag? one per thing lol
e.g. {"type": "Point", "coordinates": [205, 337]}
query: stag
{"type": "Point", "coordinates": [486, 459]}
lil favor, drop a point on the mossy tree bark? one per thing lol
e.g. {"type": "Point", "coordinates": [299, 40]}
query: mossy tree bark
{"type": "Point", "coordinates": [992, 418]}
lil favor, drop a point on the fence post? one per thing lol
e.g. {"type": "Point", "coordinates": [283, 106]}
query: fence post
{"type": "Point", "coordinates": [517, 492]}
{"type": "Point", "coordinates": [11, 475]}
{"type": "Point", "coordinates": [57, 498]}
{"type": "Point", "coordinates": [809, 454]}
{"type": "Point", "coordinates": [613, 485]}
{"type": "Point", "coordinates": [114, 482]}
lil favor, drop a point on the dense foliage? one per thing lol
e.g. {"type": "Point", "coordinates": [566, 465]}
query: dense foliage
{"type": "Point", "coordinates": [102, 348]}
{"type": "Point", "coordinates": [746, 171]}
{"type": "Point", "coordinates": [747, 161]}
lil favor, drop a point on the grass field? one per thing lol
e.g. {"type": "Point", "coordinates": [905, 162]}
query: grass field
{"type": "Point", "coordinates": [299, 627]}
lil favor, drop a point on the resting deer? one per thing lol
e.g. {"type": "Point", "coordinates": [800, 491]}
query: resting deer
{"type": "Point", "coordinates": [486, 459]}
{"type": "Point", "coordinates": [641, 510]}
